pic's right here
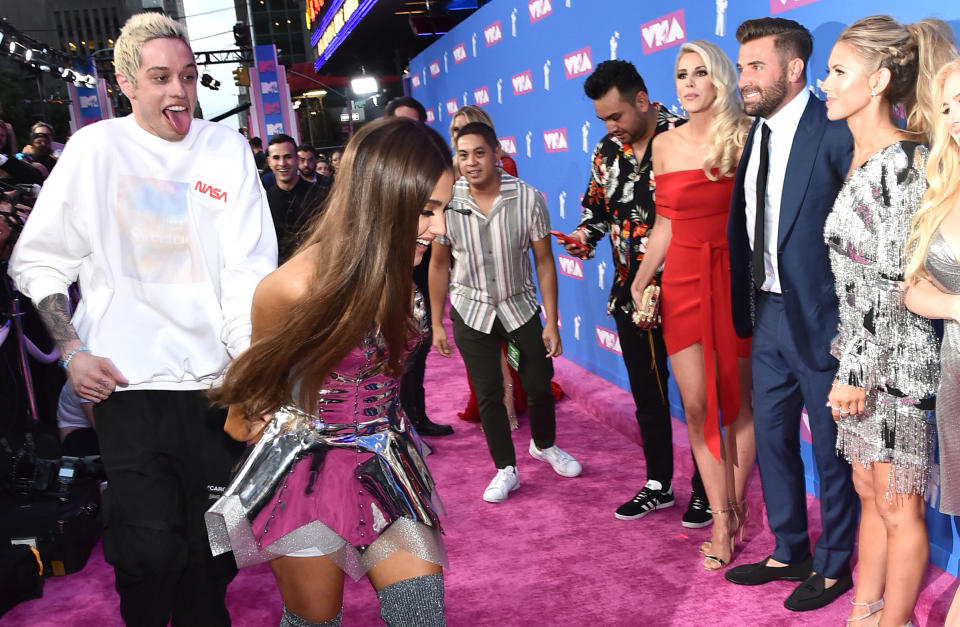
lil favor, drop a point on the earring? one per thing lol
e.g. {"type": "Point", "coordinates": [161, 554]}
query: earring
{"type": "Point", "coordinates": [873, 94]}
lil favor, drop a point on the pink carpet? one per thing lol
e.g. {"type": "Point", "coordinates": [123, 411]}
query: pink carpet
{"type": "Point", "coordinates": [553, 554]}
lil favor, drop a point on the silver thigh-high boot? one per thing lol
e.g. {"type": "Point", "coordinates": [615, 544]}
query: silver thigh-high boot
{"type": "Point", "coordinates": [289, 619]}
{"type": "Point", "coordinates": [414, 602]}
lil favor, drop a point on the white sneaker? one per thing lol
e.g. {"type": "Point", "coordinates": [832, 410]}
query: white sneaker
{"type": "Point", "coordinates": [563, 462]}
{"type": "Point", "coordinates": [504, 482]}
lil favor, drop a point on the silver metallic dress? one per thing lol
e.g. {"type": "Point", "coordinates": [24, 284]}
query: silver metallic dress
{"type": "Point", "coordinates": [882, 347]}
{"type": "Point", "coordinates": [347, 480]}
{"type": "Point", "coordinates": [943, 266]}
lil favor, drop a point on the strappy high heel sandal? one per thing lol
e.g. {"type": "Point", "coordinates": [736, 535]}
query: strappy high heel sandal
{"type": "Point", "coordinates": [872, 608]}
{"type": "Point", "coordinates": [711, 558]}
{"type": "Point", "coordinates": [742, 512]}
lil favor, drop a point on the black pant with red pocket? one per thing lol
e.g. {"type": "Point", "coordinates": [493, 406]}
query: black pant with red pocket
{"type": "Point", "coordinates": [167, 460]}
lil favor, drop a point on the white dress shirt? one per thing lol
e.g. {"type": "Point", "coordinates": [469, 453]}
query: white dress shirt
{"type": "Point", "coordinates": [783, 126]}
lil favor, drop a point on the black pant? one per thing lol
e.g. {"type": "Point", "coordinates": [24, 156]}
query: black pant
{"type": "Point", "coordinates": [645, 357]}
{"type": "Point", "coordinates": [411, 384]}
{"type": "Point", "coordinates": [481, 354]}
{"type": "Point", "coordinates": [167, 459]}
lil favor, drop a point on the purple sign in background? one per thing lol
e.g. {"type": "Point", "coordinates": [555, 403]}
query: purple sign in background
{"type": "Point", "coordinates": [268, 89]}
{"type": "Point", "coordinates": [88, 104]}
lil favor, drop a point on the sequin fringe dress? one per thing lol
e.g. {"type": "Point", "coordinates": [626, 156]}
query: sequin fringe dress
{"type": "Point", "coordinates": [882, 347]}
{"type": "Point", "coordinates": [347, 481]}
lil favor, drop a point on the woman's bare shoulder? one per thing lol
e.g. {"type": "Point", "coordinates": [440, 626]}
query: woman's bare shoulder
{"type": "Point", "coordinates": [287, 285]}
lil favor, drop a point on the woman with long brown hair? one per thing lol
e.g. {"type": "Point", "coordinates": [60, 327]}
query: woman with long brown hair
{"type": "Point", "coordinates": [336, 482]}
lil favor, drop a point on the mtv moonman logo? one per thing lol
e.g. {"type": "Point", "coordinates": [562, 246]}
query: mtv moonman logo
{"type": "Point", "coordinates": [555, 140]}
{"type": "Point", "coordinates": [508, 144]}
{"type": "Point", "coordinates": [570, 266]}
{"type": "Point", "coordinates": [664, 32]}
{"type": "Point", "coordinates": [460, 54]}
{"type": "Point", "coordinates": [577, 321]}
{"type": "Point", "coordinates": [481, 96]}
{"type": "Point", "coordinates": [578, 63]}
{"type": "Point", "coordinates": [274, 129]}
{"type": "Point", "coordinates": [452, 106]}
{"type": "Point", "coordinates": [87, 102]}
{"type": "Point", "coordinates": [430, 116]}
{"type": "Point", "coordinates": [779, 6]}
{"type": "Point", "coordinates": [415, 81]}
{"type": "Point", "coordinates": [614, 42]}
{"type": "Point", "coordinates": [269, 87]}
{"type": "Point", "coordinates": [609, 340]}
{"type": "Point", "coordinates": [539, 9]}
{"type": "Point", "coordinates": [435, 68]}
{"type": "Point", "coordinates": [493, 34]}
{"type": "Point", "coordinates": [522, 83]}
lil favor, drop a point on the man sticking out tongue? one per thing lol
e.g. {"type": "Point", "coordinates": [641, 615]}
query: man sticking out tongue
{"type": "Point", "coordinates": [163, 92]}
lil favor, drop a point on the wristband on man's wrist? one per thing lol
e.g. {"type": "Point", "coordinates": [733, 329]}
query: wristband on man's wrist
{"type": "Point", "coordinates": [66, 360]}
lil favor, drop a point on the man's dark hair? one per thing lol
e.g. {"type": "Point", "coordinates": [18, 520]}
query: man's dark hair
{"type": "Point", "coordinates": [307, 148]}
{"type": "Point", "coordinates": [256, 142]}
{"type": "Point", "coordinates": [620, 74]}
{"type": "Point", "coordinates": [323, 158]}
{"type": "Point", "coordinates": [791, 39]}
{"type": "Point", "coordinates": [405, 101]}
{"type": "Point", "coordinates": [281, 138]}
{"type": "Point", "coordinates": [481, 129]}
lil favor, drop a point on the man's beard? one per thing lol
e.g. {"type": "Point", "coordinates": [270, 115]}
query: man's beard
{"type": "Point", "coordinates": [770, 98]}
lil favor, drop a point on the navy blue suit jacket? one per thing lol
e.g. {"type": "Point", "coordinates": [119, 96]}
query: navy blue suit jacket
{"type": "Point", "coordinates": [818, 164]}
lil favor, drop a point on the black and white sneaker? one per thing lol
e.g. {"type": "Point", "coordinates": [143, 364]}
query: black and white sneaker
{"type": "Point", "coordinates": [697, 515]}
{"type": "Point", "coordinates": [650, 498]}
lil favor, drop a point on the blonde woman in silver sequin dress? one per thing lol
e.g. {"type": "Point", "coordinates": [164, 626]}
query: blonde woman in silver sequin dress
{"type": "Point", "coordinates": [883, 396]}
{"type": "Point", "coordinates": [336, 482]}
{"type": "Point", "coordinates": [933, 277]}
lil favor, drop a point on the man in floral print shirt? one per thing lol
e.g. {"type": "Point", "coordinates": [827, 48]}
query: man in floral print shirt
{"type": "Point", "coordinates": [620, 201]}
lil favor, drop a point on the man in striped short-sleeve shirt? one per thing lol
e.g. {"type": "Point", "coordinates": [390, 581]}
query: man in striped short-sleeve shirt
{"type": "Point", "coordinates": [495, 221]}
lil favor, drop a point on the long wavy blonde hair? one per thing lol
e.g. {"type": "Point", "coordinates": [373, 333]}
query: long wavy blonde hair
{"type": "Point", "coordinates": [943, 178]}
{"type": "Point", "coordinates": [728, 131]}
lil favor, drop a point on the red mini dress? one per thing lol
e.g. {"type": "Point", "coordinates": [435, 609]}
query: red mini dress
{"type": "Point", "coordinates": [695, 300]}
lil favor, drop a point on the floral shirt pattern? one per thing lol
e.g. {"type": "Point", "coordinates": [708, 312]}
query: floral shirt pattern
{"type": "Point", "coordinates": [620, 200]}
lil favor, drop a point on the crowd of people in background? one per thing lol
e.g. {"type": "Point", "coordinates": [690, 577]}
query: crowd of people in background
{"type": "Point", "coordinates": [782, 252]}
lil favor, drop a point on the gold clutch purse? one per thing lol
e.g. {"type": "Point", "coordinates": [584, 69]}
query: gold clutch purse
{"type": "Point", "coordinates": [646, 313]}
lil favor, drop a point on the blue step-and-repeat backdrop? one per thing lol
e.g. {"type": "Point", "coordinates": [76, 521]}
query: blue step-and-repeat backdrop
{"type": "Point", "coordinates": [525, 61]}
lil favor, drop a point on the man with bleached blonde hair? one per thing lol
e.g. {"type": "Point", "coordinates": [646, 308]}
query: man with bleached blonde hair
{"type": "Point", "coordinates": [163, 221]}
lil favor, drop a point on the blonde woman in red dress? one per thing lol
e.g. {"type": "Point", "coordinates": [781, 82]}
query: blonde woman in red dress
{"type": "Point", "coordinates": [694, 166]}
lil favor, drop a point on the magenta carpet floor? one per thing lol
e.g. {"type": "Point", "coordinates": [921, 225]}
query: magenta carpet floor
{"type": "Point", "coordinates": [552, 554]}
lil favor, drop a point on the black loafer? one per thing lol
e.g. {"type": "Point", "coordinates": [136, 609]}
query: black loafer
{"type": "Point", "coordinates": [813, 594]}
{"type": "Point", "coordinates": [759, 573]}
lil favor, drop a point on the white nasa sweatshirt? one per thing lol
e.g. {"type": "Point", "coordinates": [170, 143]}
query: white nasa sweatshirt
{"type": "Point", "coordinates": [168, 241]}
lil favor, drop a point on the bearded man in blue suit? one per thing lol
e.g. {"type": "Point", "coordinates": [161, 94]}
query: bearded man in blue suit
{"type": "Point", "coordinates": [793, 165]}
